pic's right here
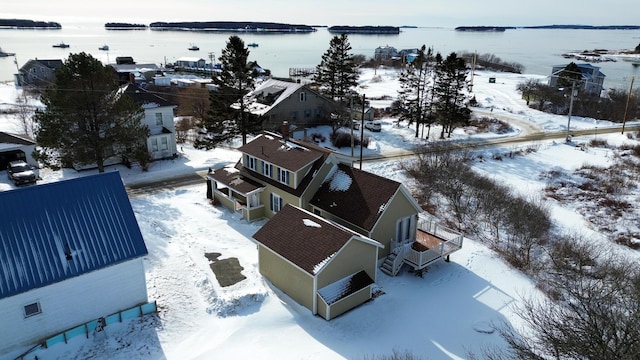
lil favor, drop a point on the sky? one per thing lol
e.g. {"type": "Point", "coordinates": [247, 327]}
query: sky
{"type": "Point", "coordinates": [444, 315]}
{"type": "Point", "coordinates": [436, 13]}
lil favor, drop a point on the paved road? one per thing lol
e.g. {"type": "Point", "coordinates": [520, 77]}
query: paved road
{"type": "Point", "coordinates": [530, 133]}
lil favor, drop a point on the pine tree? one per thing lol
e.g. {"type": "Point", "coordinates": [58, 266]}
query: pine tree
{"type": "Point", "coordinates": [337, 72]}
{"type": "Point", "coordinates": [451, 100]}
{"type": "Point", "coordinates": [87, 117]}
{"type": "Point", "coordinates": [228, 116]}
{"type": "Point", "coordinates": [416, 90]}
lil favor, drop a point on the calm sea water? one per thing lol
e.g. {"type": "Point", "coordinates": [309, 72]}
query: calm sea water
{"type": "Point", "coordinates": [536, 49]}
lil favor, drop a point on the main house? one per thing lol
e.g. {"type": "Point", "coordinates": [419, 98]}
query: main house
{"type": "Point", "coordinates": [71, 252]}
{"type": "Point", "coordinates": [276, 101]}
{"type": "Point", "coordinates": [275, 172]}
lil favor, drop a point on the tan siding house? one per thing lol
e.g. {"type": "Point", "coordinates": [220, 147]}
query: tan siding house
{"type": "Point", "coordinates": [323, 266]}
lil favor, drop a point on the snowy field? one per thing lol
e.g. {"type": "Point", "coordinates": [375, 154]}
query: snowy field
{"type": "Point", "coordinates": [447, 314]}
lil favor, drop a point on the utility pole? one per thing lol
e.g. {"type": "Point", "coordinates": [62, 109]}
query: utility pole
{"type": "Point", "coordinates": [573, 89]}
{"type": "Point", "coordinates": [212, 57]}
{"type": "Point", "coordinates": [626, 108]}
{"type": "Point", "coordinates": [362, 130]}
{"type": "Point", "coordinates": [350, 118]}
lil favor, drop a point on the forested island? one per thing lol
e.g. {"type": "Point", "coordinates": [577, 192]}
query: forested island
{"type": "Point", "coordinates": [235, 26]}
{"type": "Point", "coordinates": [29, 24]}
{"type": "Point", "coordinates": [577, 27]}
{"type": "Point", "coordinates": [124, 26]}
{"type": "Point", "coordinates": [365, 29]}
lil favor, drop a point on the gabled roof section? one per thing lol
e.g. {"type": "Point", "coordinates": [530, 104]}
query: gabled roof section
{"type": "Point", "coordinates": [286, 154]}
{"type": "Point", "coordinates": [145, 98]}
{"type": "Point", "coordinates": [305, 239]}
{"type": "Point", "coordinates": [269, 94]}
{"type": "Point", "coordinates": [56, 231]}
{"type": "Point", "coordinates": [356, 196]}
{"type": "Point", "coordinates": [8, 138]}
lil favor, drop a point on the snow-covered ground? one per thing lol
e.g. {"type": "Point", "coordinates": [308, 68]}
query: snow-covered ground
{"type": "Point", "coordinates": [444, 315]}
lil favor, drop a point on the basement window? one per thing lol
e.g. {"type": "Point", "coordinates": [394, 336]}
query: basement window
{"type": "Point", "coordinates": [32, 309]}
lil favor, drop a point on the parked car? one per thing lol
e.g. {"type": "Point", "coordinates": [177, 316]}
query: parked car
{"type": "Point", "coordinates": [372, 126]}
{"type": "Point", "coordinates": [21, 173]}
{"type": "Point", "coordinates": [355, 124]}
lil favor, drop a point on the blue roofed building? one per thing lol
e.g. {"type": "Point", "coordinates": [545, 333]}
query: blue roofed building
{"type": "Point", "coordinates": [591, 82]}
{"type": "Point", "coordinates": [70, 252]}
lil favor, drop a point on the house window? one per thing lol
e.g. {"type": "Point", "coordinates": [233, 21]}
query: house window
{"type": "Point", "coordinates": [158, 118]}
{"type": "Point", "coordinates": [32, 309]}
{"type": "Point", "coordinates": [307, 113]}
{"type": "Point", "coordinates": [252, 163]}
{"type": "Point", "coordinates": [404, 229]}
{"type": "Point", "coordinates": [294, 115]}
{"type": "Point", "coordinates": [303, 97]}
{"type": "Point", "coordinates": [275, 203]}
{"type": "Point", "coordinates": [283, 176]}
{"type": "Point", "coordinates": [267, 169]}
{"type": "Point", "coordinates": [154, 144]}
{"type": "Point", "coordinates": [164, 144]}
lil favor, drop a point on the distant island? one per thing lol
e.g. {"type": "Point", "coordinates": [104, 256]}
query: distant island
{"type": "Point", "coordinates": [235, 26]}
{"type": "Point", "coordinates": [365, 29]}
{"type": "Point", "coordinates": [124, 26]}
{"type": "Point", "coordinates": [482, 28]}
{"type": "Point", "coordinates": [28, 24]}
{"type": "Point", "coordinates": [576, 27]}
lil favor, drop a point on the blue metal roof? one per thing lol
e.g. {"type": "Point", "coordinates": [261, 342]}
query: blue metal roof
{"type": "Point", "coordinates": [56, 231]}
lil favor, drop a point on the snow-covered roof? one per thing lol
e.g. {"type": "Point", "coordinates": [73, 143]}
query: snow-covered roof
{"type": "Point", "coordinates": [279, 89]}
{"type": "Point", "coordinates": [307, 240]}
{"type": "Point", "coordinates": [59, 230]}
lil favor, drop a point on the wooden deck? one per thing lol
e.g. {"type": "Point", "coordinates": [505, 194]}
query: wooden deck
{"type": "Point", "coordinates": [425, 241]}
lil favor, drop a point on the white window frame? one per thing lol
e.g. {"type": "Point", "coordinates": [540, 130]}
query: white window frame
{"type": "Point", "coordinates": [267, 169]}
{"type": "Point", "coordinates": [164, 143]}
{"type": "Point", "coordinates": [154, 144]}
{"type": "Point", "coordinates": [275, 202]}
{"type": "Point", "coordinates": [159, 120]}
{"type": "Point", "coordinates": [38, 309]}
{"type": "Point", "coordinates": [303, 97]}
{"type": "Point", "coordinates": [283, 176]}
{"type": "Point", "coordinates": [252, 163]}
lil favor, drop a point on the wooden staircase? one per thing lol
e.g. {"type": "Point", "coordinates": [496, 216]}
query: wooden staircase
{"type": "Point", "coordinates": [393, 263]}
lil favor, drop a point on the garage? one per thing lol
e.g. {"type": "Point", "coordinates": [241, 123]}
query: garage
{"type": "Point", "coordinates": [15, 147]}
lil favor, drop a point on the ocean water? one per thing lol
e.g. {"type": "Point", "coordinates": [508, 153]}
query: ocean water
{"type": "Point", "coordinates": [538, 50]}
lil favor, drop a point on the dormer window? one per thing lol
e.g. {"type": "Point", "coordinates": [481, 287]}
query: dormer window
{"type": "Point", "coordinates": [252, 163]}
{"type": "Point", "coordinates": [283, 176]}
{"type": "Point", "coordinates": [267, 169]}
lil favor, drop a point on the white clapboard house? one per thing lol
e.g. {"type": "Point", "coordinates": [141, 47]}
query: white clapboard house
{"type": "Point", "coordinates": [70, 252]}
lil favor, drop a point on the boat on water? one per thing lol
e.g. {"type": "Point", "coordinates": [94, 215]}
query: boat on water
{"type": "Point", "coordinates": [61, 45]}
{"type": "Point", "coordinates": [104, 47]}
{"type": "Point", "coordinates": [634, 60]}
{"type": "Point", "coordinates": [252, 44]}
{"type": "Point", "coordinates": [5, 54]}
{"type": "Point", "coordinates": [194, 48]}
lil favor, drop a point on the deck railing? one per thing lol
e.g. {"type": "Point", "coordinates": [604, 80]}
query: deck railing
{"type": "Point", "coordinates": [452, 241]}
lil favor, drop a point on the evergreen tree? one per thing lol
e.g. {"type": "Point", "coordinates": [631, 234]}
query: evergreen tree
{"type": "Point", "coordinates": [337, 72]}
{"type": "Point", "coordinates": [416, 90]}
{"type": "Point", "coordinates": [87, 117]}
{"type": "Point", "coordinates": [449, 90]}
{"type": "Point", "coordinates": [569, 76]}
{"type": "Point", "coordinates": [228, 115]}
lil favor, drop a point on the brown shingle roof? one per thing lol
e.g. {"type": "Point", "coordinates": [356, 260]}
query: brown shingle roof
{"type": "Point", "coordinates": [8, 138]}
{"type": "Point", "coordinates": [285, 154]}
{"type": "Point", "coordinates": [364, 200]}
{"type": "Point", "coordinates": [303, 238]}
{"type": "Point", "coordinates": [231, 176]}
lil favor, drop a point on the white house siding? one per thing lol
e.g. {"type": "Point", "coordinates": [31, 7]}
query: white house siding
{"type": "Point", "coordinates": [70, 303]}
{"type": "Point", "coordinates": [155, 143]}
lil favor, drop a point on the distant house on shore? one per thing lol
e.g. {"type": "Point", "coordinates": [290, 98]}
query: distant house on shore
{"type": "Point", "coordinates": [592, 79]}
{"type": "Point", "coordinates": [384, 53]}
{"type": "Point", "coordinates": [37, 73]}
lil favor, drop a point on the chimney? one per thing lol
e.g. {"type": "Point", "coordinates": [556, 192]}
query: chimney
{"type": "Point", "coordinates": [132, 78]}
{"type": "Point", "coordinates": [284, 129]}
